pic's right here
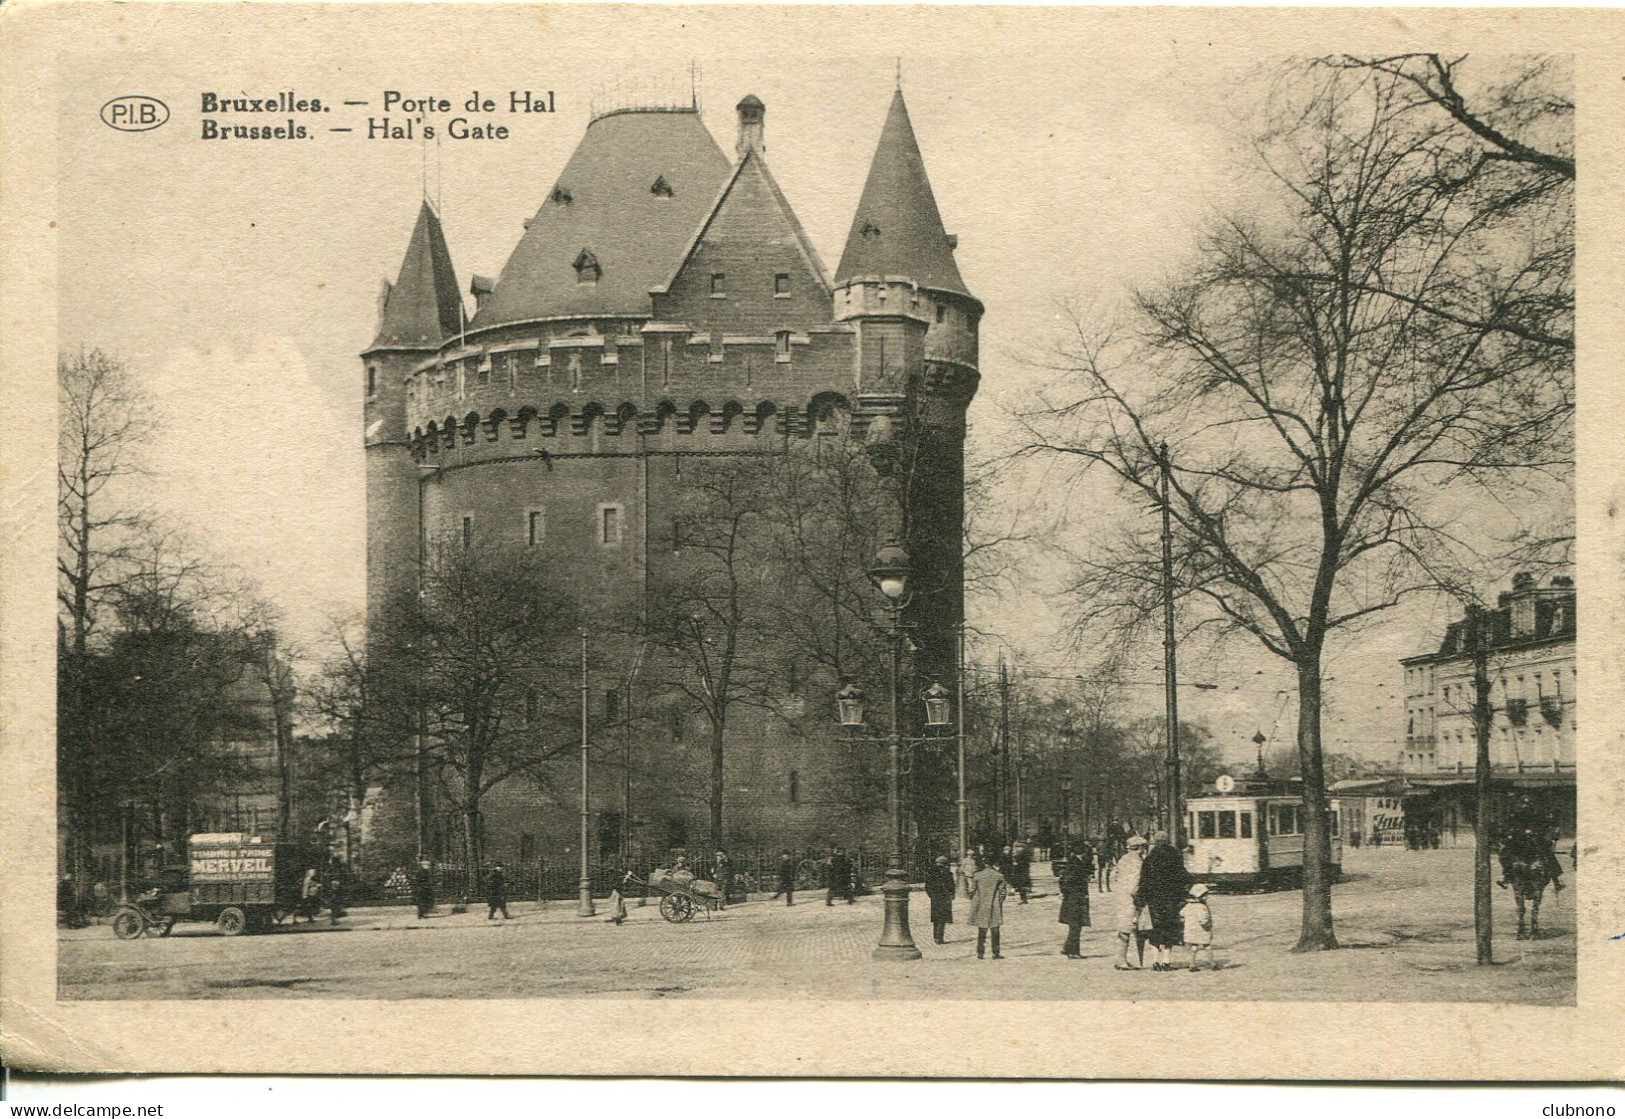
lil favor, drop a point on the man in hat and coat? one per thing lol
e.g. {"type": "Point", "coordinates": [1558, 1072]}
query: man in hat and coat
{"type": "Point", "coordinates": [787, 879]}
{"type": "Point", "coordinates": [1074, 874]}
{"type": "Point", "coordinates": [1021, 871]}
{"type": "Point", "coordinates": [840, 877]}
{"type": "Point", "coordinates": [423, 888]}
{"type": "Point", "coordinates": [496, 893]}
{"type": "Point", "coordinates": [939, 887]}
{"type": "Point", "coordinates": [987, 891]}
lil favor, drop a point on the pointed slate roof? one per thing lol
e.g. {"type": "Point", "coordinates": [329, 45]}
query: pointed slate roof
{"type": "Point", "coordinates": [423, 307]}
{"type": "Point", "coordinates": [605, 204]}
{"type": "Point", "coordinates": [751, 164]}
{"type": "Point", "coordinates": [897, 230]}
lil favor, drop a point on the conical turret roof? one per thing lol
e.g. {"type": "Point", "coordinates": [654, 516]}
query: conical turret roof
{"type": "Point", "coordinates": [423, 308]}
{"type": "Point", "coordinates": [897, 230]}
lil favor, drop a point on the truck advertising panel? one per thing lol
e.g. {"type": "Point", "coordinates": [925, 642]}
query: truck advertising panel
{"type": "Point", "coordinates": [237, 863]}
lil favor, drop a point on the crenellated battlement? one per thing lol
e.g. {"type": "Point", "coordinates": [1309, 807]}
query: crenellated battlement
{"type": "Point", "coordinates": [654, 363]}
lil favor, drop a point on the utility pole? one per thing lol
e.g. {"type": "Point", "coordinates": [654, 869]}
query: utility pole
{"type": "Point", "coordinates": [1004, 749]}
{"type": "Point", "coordinates": [584, 907]}
{"type": "Point", "coordinates": [1478, 634]}
{"type": "Point", "coordinates": [959, 745]}
{"type": "Point", "coordinates": [1175, 815]}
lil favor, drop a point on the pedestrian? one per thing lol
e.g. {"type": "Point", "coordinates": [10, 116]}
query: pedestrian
{"type": "Point", "coordinates": [617, 900]}
{"type": "Point", "coordinates": [787, 879]}
{"type": "Point", "coordinates": [722, 873]}
{"type": "Point", "coordinates": [1073, 878]}
{"type": "Point", "coordinates": [840, 877]}
{"type": "Point", "coordinates": [1129, 929]}
{"type": "Point", "coordinates": [966, 868]}
{"type": "Point", "coordinates": [940, 887]}
{"type": "Point", "coordinates": [1021, 871]}
{"type": "Point", "coordinates": [987, 891]}
{"type": "Point", "coordinates": [1007, 862]}
{"type": "Point", "coordinates": [423, 889]}
{"type": "Point", "coordinates": [310, 896]}
{"type": "Point", "coordinates": [496, 892]}
{"type": "Point", "coordinates": [1164, 886]}
{"type": "Point", "coordinates": [333, 888]}
{"type": "Point", "coordinates": [1197, 920]}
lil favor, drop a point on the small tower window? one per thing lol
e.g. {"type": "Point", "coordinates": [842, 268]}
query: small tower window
{"type": "Point", "coordinates": [612, 705]}
{"type": "Point", "coordinates": [942, 312]}
{"type": "Point", "coordinates": [535, 527]}
{"type": "Point", "coordinates": [869, 231]}
{"type": "Point", "coordinates": [719, 285]}
{"type": "Point", "coordinates": [781, 285]}
{"type": "Point", "coordinates": [781, 348]}
{"type": "Point", "coordinates": [795, 787]}
{"type": "Point", "coordinates": [661, 188]}
{"type": "Point", "coordinates": [372, 380]}
{"type": "Point", "coordinates": [609, 525]}
{"type": "Point", "coordinates": [561, 196]}
{"type": "Point", "coordinates": [587, 268]}
{"type": "Point", "coordinates": [468, 531]}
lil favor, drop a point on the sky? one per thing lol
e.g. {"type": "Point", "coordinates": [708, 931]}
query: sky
{"type": "Point", "coordinates": [239, 279]}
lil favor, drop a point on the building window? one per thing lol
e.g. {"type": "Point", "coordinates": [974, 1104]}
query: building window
{"type": "Point", "coordinates": [781, 285]}
{"type": "Point", "coordinates": [612, 705]}
{"type": "Point", "coordinates": [660, 188]}
{"type": "Point", "coordinates": [535, 527]}
{"type": "Point", "coordinates": [942, 312]}
{"type": "Point", "coordinates": [795, 787]}
{"type": "Point", "coordinates": [609, 525]}
{"type": "Point", "coordinates": [527, 848]}
{"type": "Point", "coordinates": [781, 345]}
{"type": "Point", "coordinates": [719, 285]}
{"type": "Point", "coordinates": [372, 380]}
{"type": "Point", "coordinates": [468, 531]}
{"type": "Point", "coordinates": [587, 268]}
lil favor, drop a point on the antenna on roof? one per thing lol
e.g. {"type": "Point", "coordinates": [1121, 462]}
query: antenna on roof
{"type": "Point", "coordinates": [694, 85]}
{"type": "Point", "coordinates": [899, 71]}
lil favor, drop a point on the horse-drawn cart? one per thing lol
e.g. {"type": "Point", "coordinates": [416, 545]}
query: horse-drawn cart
{"type": "Point", "coordinates": [680, 899]}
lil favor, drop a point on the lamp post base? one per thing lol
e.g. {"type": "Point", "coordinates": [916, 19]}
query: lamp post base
{"type": "Point", "coordinates": [585, 906]}
{"type": "Point", "coordinates": [896, 943]}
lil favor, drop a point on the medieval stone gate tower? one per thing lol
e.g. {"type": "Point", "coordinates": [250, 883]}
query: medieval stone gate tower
{"type": "Point", "coordinates": [662, 304]}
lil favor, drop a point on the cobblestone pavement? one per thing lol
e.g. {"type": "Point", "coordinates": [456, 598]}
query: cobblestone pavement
{"type": "Point", "coordinates": [1404, 919]}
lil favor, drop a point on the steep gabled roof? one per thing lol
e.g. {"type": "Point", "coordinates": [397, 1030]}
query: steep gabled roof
{"type": "Point", "coordinates": [604, 204]}
{"type": "Point", "coordinates": [423, 307]}
{"type": "Point", "coordinates": [897, 230]}
{"type": "Point", "coordinates": [752, 164]}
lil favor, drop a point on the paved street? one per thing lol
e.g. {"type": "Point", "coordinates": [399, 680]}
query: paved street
{"type": "Point", "coordinates": [1404, 919]}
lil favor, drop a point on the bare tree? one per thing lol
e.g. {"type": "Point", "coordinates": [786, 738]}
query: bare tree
{"type": "Point", "coordinates": [1376, 346]}
{"type": "Point", "coordinates": [483, 655]}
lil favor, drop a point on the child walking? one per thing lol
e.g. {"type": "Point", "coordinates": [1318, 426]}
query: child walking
{"type": "Point", "coordinates": [1198, 921]}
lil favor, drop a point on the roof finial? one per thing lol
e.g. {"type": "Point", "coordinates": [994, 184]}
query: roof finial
{"type": "Point", "coordinates": [899, 73]}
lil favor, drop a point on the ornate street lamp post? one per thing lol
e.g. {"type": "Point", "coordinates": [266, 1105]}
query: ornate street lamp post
{"type": "Point", "coordinates": [890, 574]}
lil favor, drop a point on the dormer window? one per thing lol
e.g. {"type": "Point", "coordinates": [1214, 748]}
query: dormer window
{"type": "Point", "coordinates": [781, 285]}
{"type": "Point", "coordinates": [661, 188]}
{"type": "Point", "coordinates": [587, 269]}
{"type": "Point", "coordinates": [869, 231]}
{"type": "Point", "coordinates": [719, 285]}
{"type": "Point", "coordinates": [561, 196]}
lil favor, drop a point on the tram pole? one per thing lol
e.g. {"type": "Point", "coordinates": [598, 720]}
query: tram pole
{"type": "Point", "coordinates": [585, 907]}
{"type": "Point", "coordinates": [1175, 815]}
{"type": "Point", "coordinates": [1478, 634]}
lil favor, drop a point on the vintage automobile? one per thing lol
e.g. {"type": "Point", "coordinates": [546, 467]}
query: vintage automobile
{"type": "Point", "coordinates": [232, 879]}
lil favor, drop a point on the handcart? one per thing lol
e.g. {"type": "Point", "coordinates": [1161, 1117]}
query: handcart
{"type": "Point", "coordinates": [680, 900]}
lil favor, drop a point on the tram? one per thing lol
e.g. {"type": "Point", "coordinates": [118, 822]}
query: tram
{"type": "Point", "coordinates": [1250, 839]}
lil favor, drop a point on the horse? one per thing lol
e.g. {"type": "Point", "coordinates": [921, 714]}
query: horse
{"type": "Point", "coordinates": [1528, 876]}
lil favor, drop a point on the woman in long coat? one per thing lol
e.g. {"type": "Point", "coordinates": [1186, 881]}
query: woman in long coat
{"type": "Point", "coordinates": [987, 890]}
{"type": "Point", "coordinates": [1164, 883]}
{"type": "Point", "coordinates": [939, 887]}
{"type": "Point", "coordinates": [1074, 877]}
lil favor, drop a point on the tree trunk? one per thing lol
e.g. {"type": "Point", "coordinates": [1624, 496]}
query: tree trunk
{"type": "Point", "coordinates": [717, 784]}
{"type": "Point", "coordinates": [1482, 713]}
{"type": "Point", "coordinates": [1316, 934]}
